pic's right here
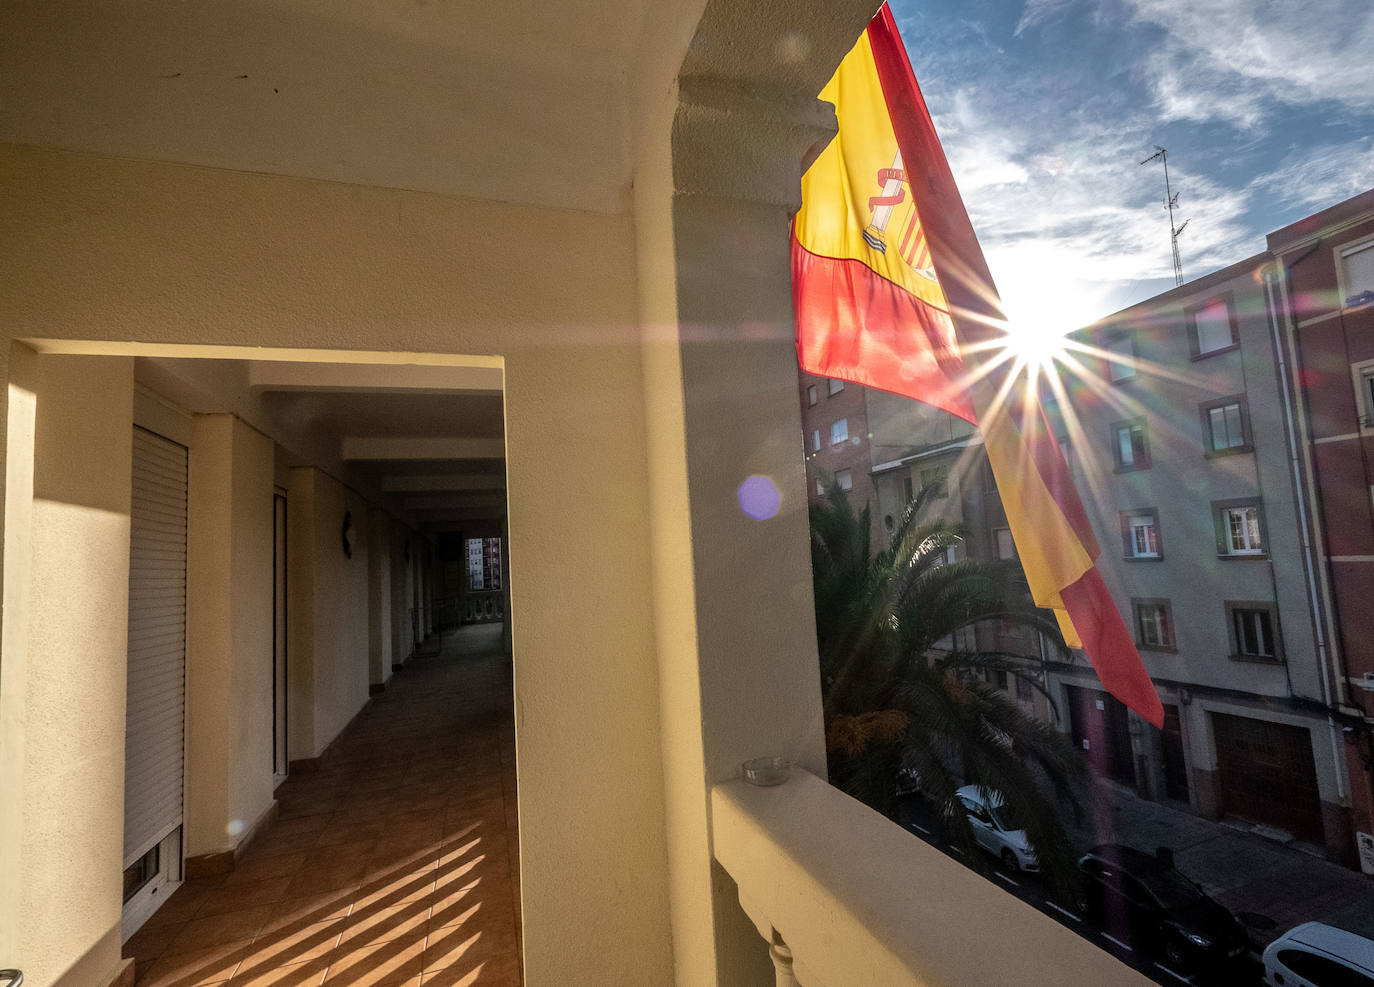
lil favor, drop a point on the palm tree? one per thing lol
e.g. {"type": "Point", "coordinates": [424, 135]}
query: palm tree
{"type": "Point", "coordinates": [900, 694]}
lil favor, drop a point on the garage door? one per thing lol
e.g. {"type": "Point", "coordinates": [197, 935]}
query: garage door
{"type": "Point", "coordinates": [1267, 774]}
{"type": "Point", "coordinates": [157, 645]}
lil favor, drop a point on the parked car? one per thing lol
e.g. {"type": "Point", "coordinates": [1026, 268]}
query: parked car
{"type": "Point", "coordinates": [1142, 901]}
{"type": "Point", "coordinates": [997, 828]}
{"type": "Point", "coordinates": [1317, 955]}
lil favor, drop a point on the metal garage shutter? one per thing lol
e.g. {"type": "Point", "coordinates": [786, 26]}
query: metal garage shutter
{"type": "Point", "coordinates": [157, 644]}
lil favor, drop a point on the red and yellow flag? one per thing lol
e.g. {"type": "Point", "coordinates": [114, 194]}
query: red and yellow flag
{"type": "Point", "coordinates": [891, 290]}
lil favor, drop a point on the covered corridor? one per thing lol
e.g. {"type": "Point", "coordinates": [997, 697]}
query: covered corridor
{"type": "Point", "coordinates": [395, 860]}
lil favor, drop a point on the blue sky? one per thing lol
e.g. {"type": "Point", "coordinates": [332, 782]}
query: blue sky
{"type": "Point", "coordinates": [1045, 108]}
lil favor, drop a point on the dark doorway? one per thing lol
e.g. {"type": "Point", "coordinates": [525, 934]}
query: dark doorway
{"type": "Point", "coordinates": [1175, 768]}
{"type": "Point", "coordinates": [1101, 730]}
{"type": "Point", "coordinates": [1267, 774]}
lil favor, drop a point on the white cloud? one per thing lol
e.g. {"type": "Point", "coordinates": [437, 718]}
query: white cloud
{"type": "Point", "coordinates": [1316, 178]}
{"type": "Point", "coordinates": [1222, 59]}
{"type": "Point", "coordinates": [1037, 12]}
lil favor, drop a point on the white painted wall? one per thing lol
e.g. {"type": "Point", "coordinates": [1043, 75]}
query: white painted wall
{"type": "Point", "coordinates": [378, 596]}
{"type": "Point", "coordinates": [229, 634]}
{"type": "Point", "coordinates": [63, 674]}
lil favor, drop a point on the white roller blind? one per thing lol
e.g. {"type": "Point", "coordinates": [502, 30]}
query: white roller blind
{"type": "Point", "coordinates": [157, 644]}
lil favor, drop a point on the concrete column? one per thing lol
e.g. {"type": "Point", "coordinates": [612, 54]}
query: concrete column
{"type": "Point", "coordinates": [738, 670]}
{"type": "Point", "coordinates": [400, 607]}
{"type": "Point", "coordinates": [229, 634]}
{"type": "Point", "coordinates": [379, 655]}
{"type": "Point", "coordinates": [63, 673]}
{"type": "Point", "coordinates": [329, 600]}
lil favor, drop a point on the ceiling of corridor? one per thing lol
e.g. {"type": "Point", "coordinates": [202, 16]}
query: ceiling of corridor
{"type": "Point", "coordinates": [374, 92]}
{"type": "Point", "coordinates": [428, 443]}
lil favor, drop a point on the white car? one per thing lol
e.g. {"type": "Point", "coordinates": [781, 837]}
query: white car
{"type": "Point", "coordinates": [1318, 955]}
{"type": "Point", "coordinates": [996, 828]}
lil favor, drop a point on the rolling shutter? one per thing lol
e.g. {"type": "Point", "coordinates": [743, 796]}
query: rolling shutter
{"type": "Point", "coordinates": [157, 644]}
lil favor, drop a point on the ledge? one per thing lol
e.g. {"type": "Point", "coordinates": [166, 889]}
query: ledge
{"type": "Point", "coordinates": [858, 899]}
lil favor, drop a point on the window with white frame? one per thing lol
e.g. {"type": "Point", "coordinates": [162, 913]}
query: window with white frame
{"type": "Point", "coordinates": [1226, 425]}
{"type": "Point", "coordinates": [820, 487]}
{"type": "Point", "coordinates": [811, 396]}
{"type": "Point", "coordinates": [1153, 624]}
{"type": "Point", "coordinates": [1211, 327]}
{"type": "Point", "coordinates": [1357, 274]}
{"type": "Point", "coordinates": [839, 431]}
{"type": "Point", "coordinates": [1253, 629]}
{"type": "Point", "coordinates": [815, 440]}
{"type": "Point", "coordinates": [1006, 548]}
{"type": "Point", "coordinates": [1140, 533]}
{"type": "Point", "coordinates": [836, 386]}
{"type": "Point", "coordinates": [844, 479]}
{"type": "Point", "coordinates": [1121, 363]}
{"type": "Point", "coordinates": [1239, 531]}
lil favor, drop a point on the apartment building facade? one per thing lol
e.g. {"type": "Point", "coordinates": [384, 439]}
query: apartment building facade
{"type": "Point", "coordinates": [1322, 285]}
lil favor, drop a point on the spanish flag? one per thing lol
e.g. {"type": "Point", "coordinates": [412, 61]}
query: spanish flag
{"type": "Point", "coordinates": [891, 290]}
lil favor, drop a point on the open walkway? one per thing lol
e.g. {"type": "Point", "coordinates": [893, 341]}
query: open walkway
{"type": "Point", "coordinates": [394, 863]}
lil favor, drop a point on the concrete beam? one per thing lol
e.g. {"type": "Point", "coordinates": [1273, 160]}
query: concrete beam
{"type": "Point", "coordinates": [272, 375]}
{"type": "Point", "coordinates": [418, 483]}
{"type": "Point", "coordinates": [368, 447]}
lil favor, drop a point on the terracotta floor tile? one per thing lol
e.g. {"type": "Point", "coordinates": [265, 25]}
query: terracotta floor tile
{"type": "Point", "coordinates": [496, 971]}
{"type": "Point", "coordinates": [386, 923]}
{"type": "Point", "coordinates": [217, 929]}
{"type": "Point", "coordinates": [255, 868]}
{"type": "Point", "coordinates": [298, 912]}
{"type": "Point", "coordinates": [209, 965]}
{"type": "Point", "coordinates": [294, 944]}
{"type": "Point", "coordinates": [151, 941]}
{"type": "Point", "coordinates": [468, 944]}
{"type": "Point", "coordinates": [372, 966]}
{"type": "Point", "coordinates": [238, 896]}
{"type": "Point", "coordinates": [306, 974]}
{"type": "Point", "coordinates": [343, 873]}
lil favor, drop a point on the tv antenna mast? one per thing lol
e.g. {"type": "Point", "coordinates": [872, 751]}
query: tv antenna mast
{"type": "Point", "coordinates": [1170, 200]}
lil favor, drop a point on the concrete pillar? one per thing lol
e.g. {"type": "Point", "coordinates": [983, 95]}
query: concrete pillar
{"type": "Point", "coordinates": [401, 643]}
{"type": "Point", "coordinates": [63, 673]}
{"type": "Point", "coordinates": [328, 599]}
{"type": "Point", "coordinates": [379, 635]}
{"type": "Point", "coordinates": [228, 635]}
{"type": "Point", "coordinates": [739, 674]}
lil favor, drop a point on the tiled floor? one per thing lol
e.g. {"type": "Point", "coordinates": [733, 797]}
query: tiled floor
{"type": "Point", "coordinates": [395, 863]}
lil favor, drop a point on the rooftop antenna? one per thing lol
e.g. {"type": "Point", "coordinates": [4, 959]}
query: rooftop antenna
{"type": "Point", "coordinates": [1170, 200]}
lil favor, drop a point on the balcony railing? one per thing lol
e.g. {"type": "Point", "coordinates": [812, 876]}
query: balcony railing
{"type": "Point", "coordinates": [859, 900]}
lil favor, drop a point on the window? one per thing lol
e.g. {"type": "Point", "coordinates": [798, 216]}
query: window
{"type": "Point", "coordinates": [1357, 274]}
{"type": "Point", "coordinates": [836, 386]}
{"type": "Point", "coordinates": [1253, 628]}
{"type": "Point", "coordinates": [844, 479]}
{"type": "Point", "coordinates": [1154, 626]}
{"type": "Point", "coordinates": [1130, 445]}
{"type": "Point", "coordinates": [820, 487]}
{"type": "Point", "coordinates": [1140, 534]}
{"type": "Point", "coordinates": [1363, 374]}
{"type": "Point", "coordinates": [936, 477]}
{"type": "Point", "coordinates": [839, 431]}
{"type": "Point", "coordinates": [1024, 689]}
{"type": "Point", "coordinates": [1006, 549]}
{"type": "Point", "coordinates": [1226, 426]}
{"type": "Point", "coordinates": [816, 440]}
{"type": "Point", "coordinates": [1239, 529]}
{"type": "Point", "coordinates": [1212, 327]}
{"type": "Point", "coordinates": [908, 491]}
{"type": "Point", "coordinates": [811, 396]}
{"type": "Point", "coordinates": [1322, 969]}
{"type": "Point", "coordinates": [1121, 363]}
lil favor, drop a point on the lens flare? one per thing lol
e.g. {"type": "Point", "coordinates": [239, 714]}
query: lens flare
{"type": "Point", "coordinates": [759, 497]}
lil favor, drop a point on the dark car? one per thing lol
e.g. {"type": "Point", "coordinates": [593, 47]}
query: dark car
{"type": "Point", "coordinates": [1142, 901]}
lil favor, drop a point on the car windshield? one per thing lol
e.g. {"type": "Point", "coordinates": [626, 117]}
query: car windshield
{"type": "Point", "coordinates": [1007, 817]}
{"type": "Point", "coordinates": [1172, 889]}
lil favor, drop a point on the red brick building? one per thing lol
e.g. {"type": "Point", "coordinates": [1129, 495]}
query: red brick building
{"type": "Point", "coordinates": [1323, 288]}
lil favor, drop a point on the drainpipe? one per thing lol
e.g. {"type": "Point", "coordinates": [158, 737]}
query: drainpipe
{"type": "Point", "coordinates": [1309, 562]}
